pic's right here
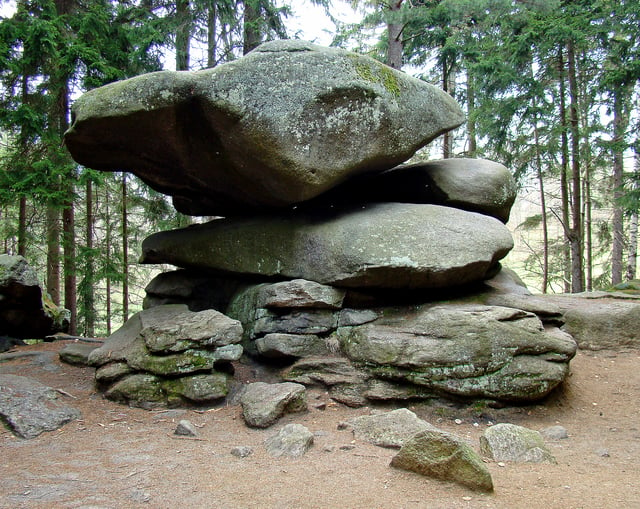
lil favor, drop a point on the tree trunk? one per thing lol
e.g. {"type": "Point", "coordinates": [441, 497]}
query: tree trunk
{"type": "Point", "coordinates": [212, 18]}
{"type": "Point", "coordinates": [183, 35]}
{"type": "Point", "coordinates": [448, 85]}
{"type": "Point", "coordinates": [22, 227]}
{"type": "Point", "coordinates": [472, 145]}
{"type": "Point", "coordinates": [576, 239]}
{"type": "Point", "coordinates": [89, 275]}
{"type": "Point", "coordinates": [617, 223]}
{"type": "Point", "coordinates": [543, 211]}
{"type": "Point", "coordinates": [108, 259]}
{"type": "Point", "coordinates": [53, 253]}
{"type": "Point", "coordinates": [69, 243]}
{"type": "Point", "coordinates": [125, 252]}
{"type": "Point", "coordinates": [564, 170]}
{"type": "Point", "coordinates": [632, 257]}
{"type": "Point", "coordinates": [251, 26]}
{"type": "Point", "coordinates": [394, 33]}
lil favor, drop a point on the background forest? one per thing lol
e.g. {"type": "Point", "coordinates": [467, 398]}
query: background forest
{"type": "Point", "coordinates": [550, 88]}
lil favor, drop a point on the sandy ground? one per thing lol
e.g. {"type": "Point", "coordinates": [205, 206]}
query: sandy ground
{"type": "Point", "coordinates": [120, 457]}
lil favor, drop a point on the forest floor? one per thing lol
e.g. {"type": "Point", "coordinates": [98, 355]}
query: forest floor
{"type": "Point", "coordinates": [121, 457]}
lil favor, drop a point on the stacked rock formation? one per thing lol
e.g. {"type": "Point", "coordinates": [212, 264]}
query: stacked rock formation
{"type": "Point", "coordinates": [169, 356]}
{"type": "Point", "coordinates": [329, 253]}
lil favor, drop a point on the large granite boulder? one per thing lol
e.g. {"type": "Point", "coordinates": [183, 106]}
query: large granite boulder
{"type": "Point", "coordinates": [279, 126]}
{"type": "Point", "coordinates": [24, 313]}
{"type": "Point", "coordinates": [476, 185]}
{"type": "Point", "coordinates": [385, 245]}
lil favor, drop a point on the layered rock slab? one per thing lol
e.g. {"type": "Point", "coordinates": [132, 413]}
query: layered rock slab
{"type": "Point", "coordinates": [463, 350]}
{"type": "Point", "coordinates": [169, 355]}
{"type": "Point", "coordinates": [386, 245]}
{"type": "Point", "coordinates": [279, 126]}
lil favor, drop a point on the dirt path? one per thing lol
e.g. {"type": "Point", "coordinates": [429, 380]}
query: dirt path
{"type": "Point", "coordinates": [120, 457]}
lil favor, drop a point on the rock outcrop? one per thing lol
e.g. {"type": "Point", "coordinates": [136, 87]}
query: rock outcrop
{"type": "Point", "coordinates": [24, 313]}
{"type": "Point", "coordinates": [335, 258]}
{"type": "Point", "coordinates": [30, 408]}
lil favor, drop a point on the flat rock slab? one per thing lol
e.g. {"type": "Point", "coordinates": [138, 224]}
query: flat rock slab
{"type": "Point", "coordinates": [30, 408]}
{"type": "Point", "coordinates": [446, 457]}
{"type": "Point", "coordinates": [509, 442]}
{"type": "Point", "coordinates": [390, 245]}
{"type": "Point", "coordinates": [293, 440]}
{"type": "Point", "coordinates": [279, 126]}
{"type": "Point", "coordinates": [388, 429]}
{"type": "Point", "coordinates": [263, 404]}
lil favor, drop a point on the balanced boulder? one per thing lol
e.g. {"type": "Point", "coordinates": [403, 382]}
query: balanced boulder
{"type": "Point", "coordinates": [279, 126]}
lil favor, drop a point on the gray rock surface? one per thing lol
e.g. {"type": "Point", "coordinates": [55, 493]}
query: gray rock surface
{"type": "Point", "coordinates": [462, 350]}
{"type": "Point", "coordinates": [283, 346]}
{"type": "Point", "coordinates": [242, 451]}
{"type": "Point", "coordinates": [77, 353]}
{"type": "Point", "coordinates": [476, 185]}
{"type": "Point", "coordinates": [446, 457]}
{"type": "Point", "coordinates": [299, 293]}
{"type": "Point", "coordinates": [174, 329]}
{"type": "Point", "coordinates": [556, 432]}
{"type": "Point", "coordinates": [600, 323]}
{"type": "Point", "coordinates": [293, 441]}
{"type": "Point", "coordinates": [263, 404]}
{"type": "Point", "coordinates": [279, 126]}
{"type": "Point", "coordinates": [195, 289]}
{"type": "Point", "coordinates": [30, 408]}
{"type": "Point", "coordinates": [509, 442]}
{"type": "Point", "coordinates": [393, 245]}
{"type": "Point", "coordinates": [388, 429]}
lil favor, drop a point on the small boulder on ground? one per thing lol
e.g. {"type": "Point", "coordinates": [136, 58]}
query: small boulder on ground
{"type": "Point", "coordinates": [446, 457]}
{"type": "Point", "coordinates": [509, 442]}
{"type": "Point", "coordinates": [388, 429]}
{"type": "Point", "coordinates": [293, 440]}
{"type": "Point", "coordinates": [263, 404]}
{"type": "Point", "coordinates": [77, 353]}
